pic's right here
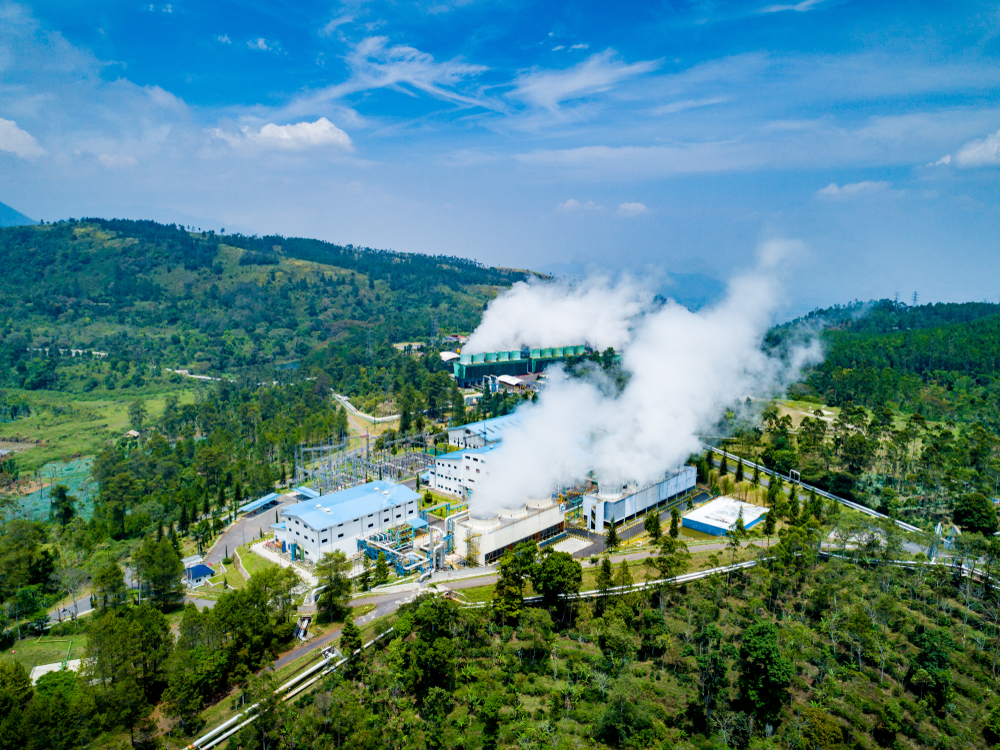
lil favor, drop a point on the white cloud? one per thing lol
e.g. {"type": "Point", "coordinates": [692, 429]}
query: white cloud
{"type": "Point", "coordinates": [558, 47]}
{"type": "Point", "coordinates": [598, 73]}
{"type": "Point", "coordinates": [295, 137]}
{"type": "Point", "coordinates": [943, 161]}
{"type": "Point", "coordinates": [224, 38]}
{"type": "Point", "coordinates": [669, 109]}
{"type": "Point", "coordinates": [632, 209]}
{"type": "Point", "coordinates": [332, 25]}
{"type": "Point", "coordinates": [17, 141]}
{"type": "Point", "coordinates": [798, 7]}
{"type": "Point", "coordinates": [852, 189]}
{"type": "Point", "coordinates": [117, 161]}
{"type": "Point", "coordinates": [263, 44]}
{"type": "Point", "coordinates": [374, 65]}
{"type": "Point", "coordinates": [573, 206]}
{"type": "Point", "coordinates": [981, 153]}
{"type": "Point", "coordinates": [580, 46]}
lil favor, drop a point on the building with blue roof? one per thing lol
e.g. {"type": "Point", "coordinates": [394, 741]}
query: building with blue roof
{"type": "Point", "coordinates": [310, 529]}
{"type": "Point", "coordinates": [481, 433]}
{"type": "Point", "coordinates": [460, 472]}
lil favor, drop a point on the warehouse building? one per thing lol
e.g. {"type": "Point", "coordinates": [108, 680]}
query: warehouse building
{"type": "Point", "coordinates": [470, 369]}
{"type": "Point", "coordinates": [627, 502]}
{"type": "Point", "coordinates": [460, 472]}
{"type": "Point", "coordinates": [719, 516]}
{"type": "Point", "coordinates": [310, 529]}
{"type": "Point", "coordinates": [484, 540]}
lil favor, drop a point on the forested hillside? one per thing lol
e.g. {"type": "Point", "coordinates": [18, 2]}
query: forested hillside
{"type": "Point", "coordinates": [941, 361]}
{"type": "Point", "coordinates": [158, 294]}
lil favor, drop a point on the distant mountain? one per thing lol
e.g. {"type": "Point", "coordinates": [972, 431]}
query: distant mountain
{"type": "Point", "coordinates": [10, 217]}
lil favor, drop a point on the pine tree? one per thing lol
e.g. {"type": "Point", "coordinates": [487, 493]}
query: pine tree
{"type": "Point", "coordinates": [739, 471]}
{"type": "Point", "coordinates": [652, 525]}
{"type": "Point", "coordinates": [756, 475]}
{"type": "Point", "coordinates": [237, 495]}
{"type": "Point", "coordinates": [159, 532]}
{"type": "Point", "coordinates": [770, 523]}
{"type": "Point", "coordinates": [381, 570]}
{"type": "Point", "coordinates": [793, 505]}
{"type": "Point", "coordinates": [205, 509]}
{"type": "Point", "coordinates": [365, 579]}
{"type": "Point", "coordinates": [173, 540]}
{"type": "Point", "coordinates": [675, 522]}
{"type": "Point", "coordinates": [184, 521]}
{"type": "Point", "coordinates": [723, 466]}
{"type": "Point", "coordinates": [611, 538]}
{"type": "Point", "coordinates": [221, 500]}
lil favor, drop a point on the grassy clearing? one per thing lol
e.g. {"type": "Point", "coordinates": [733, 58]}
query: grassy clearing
{"type": "Point", "coordinates": [47, 650]}
{"type": "Point", "coordinates": [74, 424]}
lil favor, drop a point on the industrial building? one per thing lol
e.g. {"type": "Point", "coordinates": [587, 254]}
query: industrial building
{"type": "Point", "coordinates": [459, 472]}
{"type": "Point", "coordinates": [310, 529]}
{"type": "Point", "coordinates": [625, 503]}
{"type": "Point", "coordinates": [470, 369]}
{"type": "Point", "coordinates": [479, 434]}
{"type": "Point", "coordinates": [719, 516]}
{"type": "Point", "coordinates": [484, 540]}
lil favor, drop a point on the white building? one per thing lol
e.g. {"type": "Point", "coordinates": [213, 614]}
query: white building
{"type": "Point", "coordinates": [625, 503]}
{"type": "Point", "coordinates": [460, 472]}
{"type": "Point", "coordinates": [335, 521]}
{"type": "Point", "coordinates": [486, 539]}
{"type": "Point", "coordinates": [478, 434]}
{"type": "Point", "coordinates": [719, 516]}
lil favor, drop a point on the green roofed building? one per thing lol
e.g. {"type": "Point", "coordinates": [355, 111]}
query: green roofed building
{"type": "Point", "coordinates": [472, 368]}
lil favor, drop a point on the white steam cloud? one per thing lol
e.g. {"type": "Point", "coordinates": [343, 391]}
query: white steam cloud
{"type": "Point", "coordinates": [685, 369]}
{"type": "Point", "coordinates": [540, 314]}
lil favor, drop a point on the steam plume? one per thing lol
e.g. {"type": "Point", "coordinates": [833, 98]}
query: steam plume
{"type": "Point", "coordinates": [685, 369]}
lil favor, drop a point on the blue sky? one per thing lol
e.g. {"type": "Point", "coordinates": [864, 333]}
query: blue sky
{"type": "Point", "coordinates": [660, 137]}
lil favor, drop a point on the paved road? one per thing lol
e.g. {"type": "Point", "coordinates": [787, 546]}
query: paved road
{"type": "Point", "coordinates": [246, 529]}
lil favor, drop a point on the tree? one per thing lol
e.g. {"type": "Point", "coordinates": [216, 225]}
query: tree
{"type": "Point", "coordinates": [765, 674]}
{"type": "Point", "coordinates": [675, 522]}
{"type": "Point", "coordinates": [723, 466]}
{"type": "Point", "coordinates": [381, 569]}
{"type": "Point", "coordinates": [557, 574]}
{"type": "Point", "coordinates": [652, 525]}
{"type": "Point", "coordinates": [736, 536]}
{"type": "Point", "coordinates": [109, 585]}
{"type": "Point", "coordinates": [770, 523]}
{"type": "Point", "coordinates": [508, 594]}
{"type": "Point", "coordinates": [63, 505]}
{"type": "Point", "coordinates": [611, 537]}
{"type": "Point", "coordinates": [739, 470]}
{"type": "Point", "coordinates": [332, 571]}
{"type": "Point", "coordinates": [160, 569]}
{"type": "Point", "coordinates": [15, 686]}
{"type": "Point", "coordinates": [365, 579]}
{"type": "Point", "coordinates": [975, 513]}
{"type": "Point", "coordinates": [137, 414]}
{"type": "Point", "coordinates": [350, 638]}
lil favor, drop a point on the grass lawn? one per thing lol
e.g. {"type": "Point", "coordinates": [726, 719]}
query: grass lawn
{"type": "Point", "coordinates": [47, 650]}
{"type": "Point", "coordinates": [252, 562]}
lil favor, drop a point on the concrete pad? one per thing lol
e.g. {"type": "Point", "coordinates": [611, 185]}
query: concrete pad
{"type": "Point", "coordinates": [73, 665]}
{"type": "Point", "coordinates": [572, 544]}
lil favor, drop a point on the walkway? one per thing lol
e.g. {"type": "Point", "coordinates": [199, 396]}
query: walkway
{"type": "Point", "coordinates": [310, 580]}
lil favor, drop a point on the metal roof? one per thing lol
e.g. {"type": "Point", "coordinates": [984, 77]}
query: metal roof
{"type": "Point", "coordinates": [723, 512]}
{"type": "Point", "coordinates": [307, 492]}
{"type": "Point", "coordinates": [258, 504]}
{"type": "Point", "coordinates": [199, 571]}
{"type": "Point", "coordinates": [346, 505]}
{"type": "Point", "coordinates": [417, 523]}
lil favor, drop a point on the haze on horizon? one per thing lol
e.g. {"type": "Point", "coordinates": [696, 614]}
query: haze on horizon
{"type": "Point", "coordinates": [652, 137]}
